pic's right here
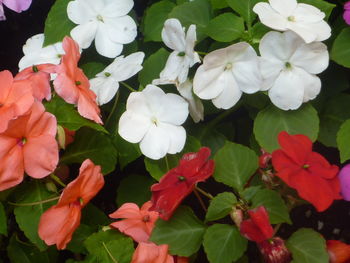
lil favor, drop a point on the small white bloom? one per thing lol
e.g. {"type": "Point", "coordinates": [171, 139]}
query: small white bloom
{"type": "Point", "coordinates": [35, 53]}
{"type": "Point", "coordinates": [183, 57]}
{"type": "Point", "coordinates": [106, 83]}
{"type": "Point", "coordinates": [153, 119]}
{"type": "Point", "coordinates": [226, 73]}
{"type": "Point", "coordinates": [305, 20]}
{"type": "Point", "coordinates": [289, 67]}
{"type": "Point", "coordinates": [106, 21]}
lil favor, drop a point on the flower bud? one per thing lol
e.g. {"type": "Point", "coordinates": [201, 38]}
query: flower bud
{"type": "Point", "coordinates": [237, 216]}
{"type": "Point", "coordinates": [274, 251]}
{"type": "Point", "coordinates": [265, 159]}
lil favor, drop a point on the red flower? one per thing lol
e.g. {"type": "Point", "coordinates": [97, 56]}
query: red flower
{"type": "Point", "coordinates": [308, 172]}
{"type": "Point", "coordinates": [58, 223]}
{"type": "Point", "coordinates": [339, 252]}
{"type": "Point", "coordinates": [180, 181]}
{"type": "Point", "coordinates": [275, 251]}
{"type": "Point", "coordinates": [258, 227]}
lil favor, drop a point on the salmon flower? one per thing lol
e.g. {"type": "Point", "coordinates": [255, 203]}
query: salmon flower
{"type": "Point", "coordinates": [306, 171]}
{"type": "Point", "coordinates": [15, 98]}
{"type": "Point", "coordinates": [151, 253]}
{"type": "Point", "coordinates": [180, 181]}
{"type": "Point", "coordinates": [72, 85]}
{"type": "Point", "coordinates": [338, 251]}
{"type": "Point", "coordinates": [58, 223]}
{"type": "Point", "coordinates": [39, 75]}
{"type": "Point", "coordinates": [28, 145]}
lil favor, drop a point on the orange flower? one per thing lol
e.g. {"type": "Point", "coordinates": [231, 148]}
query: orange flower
{"type": "Point", "coordinates": [39, 76]}
{"type": "Point", "coordinates": [148, 252]}
{"type": "Point", "coordinates": [72, 84]}
{"type": "Point", "coordinates": [28, 145]}
{"type": "Point", "coordinates": [15, 98]}
{"type": "Point", "coordinates": [58, 223]}
{"type": "Point", "coordinates": [138, 223]}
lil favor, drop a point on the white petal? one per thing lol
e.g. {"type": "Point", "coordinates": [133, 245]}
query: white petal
{"type": "Point", "coordinates": [117, 8]}
{"type": "Point", "coordinates": [284, 7]}
{"type": "Point", "coordinates": [104, 45]}
{"type": "Point", "coordinates": [305, 31]}
{"type": "Point", "coordinates": [121, 29]}
{"type": "Point", "coordinates": [84, 34]}
{"type": "Point", "coordinates": [133, 127]}
{"type": "Point", "coordinates": [288, 90]}
{"type": "Point", "coordinates": [174, 109]}
{"type": "Point", "coordinates": [173, 35]}
{"type": "Point", "coordinates": [308, 13]}
{"type": "Point", "coordinates": [313, 57]}
{"type": "Point", "coordinates": [191, 39]}
{"type": "Point", "coordinates": [81, 12]}
{"type": "Point", "coordinates": [230, 94]}
{"type": "Point", "coordinates": [155, 143]}
{"type": "Point", "coordinates": [174, 67]}
{"type": "Point", "coordinates": [105, 88]}
{"type": "Point", "coordinates": [177, 137]}
{"type": "Point", "coordinates": [270, 69]}
{"type": "Point", "coordinates": [138, 103]}
{"type": "Point", "coordinates": [208, 84]}
{"type": "Point", "coordinates": [312, 85]}
{"type": "Point", "coordinates": [153, 96]}
{"type": "Point", "coordinates": [269, 17]}
{"type": "Point", "coordinates": [33, 44]}
{"type": "Point", "coordinates": [323, 30]}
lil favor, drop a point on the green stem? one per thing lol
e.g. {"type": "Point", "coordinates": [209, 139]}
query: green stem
{"type": "Point", "coordinates": [200, 199]}
{"type": "Point", "coordinates": [113, 109]}
{"type": "Point", "coordinates": [128, 86]}
{"type": "Point", "coordinates": [204, 192]}
{"type": "Point", "coordinates": [35, 203]}
{"type": "Point", "coordinates": [167, 162]}
{"type": "Point", "coordinates": [57, 180]}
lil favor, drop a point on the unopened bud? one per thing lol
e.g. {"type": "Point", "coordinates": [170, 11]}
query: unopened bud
{"type": "Point", "coordinates": [237, 216]}
{"type": "Point", "coordinates": [265, 159]}
{"type": "Point", "coordinates": [61, 137]}
{"type": "Point", "coordinates": [275, 251]}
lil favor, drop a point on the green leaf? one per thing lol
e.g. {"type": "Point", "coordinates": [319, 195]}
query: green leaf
{"type": "Point", "coordinates": [3, 221]}
{"type": "Point", "coordinates": [220, 206]}
{"type": "Point", "coordinates": [28, 216]}
{"type": "Point", "coordinates": [92, 68]}
{"type": "Point", "coordinates": [183, 232]}
{"type": "Point", "coordinates": [324, 6]}
{"type": "Point", "coordinates": [94, 217]}
{"type": "Point", "coordinates": [340, 51]}
{"type": "Point", "coordinates": [79, 236]}
{"type": "Point", "coordinates": [134, 189]}
{"type": "Point", "coordinates": [218, 4]}
{"type": "Point", "coordinates": [332, 117]}
{"type": "Point", "coordinates": [57, 24]}
{"type": "Point", "coordinates": [244, 8]}
{"type": "Point", "coordinates": [127, 152]}
{"type": "Point", "coordinates": [307, 246]}
{"type": "Point", "coordinates": [154, 20]}
{"type": "Point", "coordinates": [19, 252]}
{"type": "Point", "coordinates": [234, 164]}
{"type": "Point", "coordinates": [152, 66]}
{"type": "Point", "coordinates": [67, 116]}
{"type": "Point", "coordinates": [271, 121]}
{"type": "Point", "coordinates": [225, 27]}
{"type": "Point", "coordinates": [197, 12]}
{"type": "Point", "coordinates": [94, 145]}
{"type": "Point", "coordinates": [343, 141]}
{"type": "Point", "coordinates": [110, 247]}
{"type": "Point", "coordinates": [274, 204]}
{"type": "Point", "coordinates": [223, 243]}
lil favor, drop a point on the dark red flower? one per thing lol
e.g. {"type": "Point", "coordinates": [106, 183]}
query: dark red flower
{"type": "Point", "coordinates": [308, 172]}
{"type": "Point", "coordinates": [257, 228]}
{"type": "Point", "coordinates": [338, 251]}
{"type": "Point", "coordinates": [275, 251]}
{"type": "Point", "coordinates": [180, 181]}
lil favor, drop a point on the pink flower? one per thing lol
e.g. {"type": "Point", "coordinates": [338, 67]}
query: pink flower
{"type": "Point", "coordinates": [346, 14]}
{"type": "Point", "coordinates": [344, 178]}
{"type": "Point", "coordinates": [15, 5]}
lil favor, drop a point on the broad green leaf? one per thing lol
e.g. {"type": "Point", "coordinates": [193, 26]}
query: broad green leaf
{"type": "Point", "coordinates": [274, 204]}
{"type": "Point", "coordinates": [220, 206]}
{"type": "Point", "coordinates": [92, 68]}
{"type": "Point", "coordinates": [234, 164]}
{"type": "Point", "coordinates": [332, 117]}
{"type": "Point", "coordinates": [343, 141]}
{"type": "Point", "coordinates": [28, 216]}
{"type": "Point", "coordinates": [19, 252]}
{"type": "Point", "coordinates": [68, 116]}
{"type": "Point", "coordinates": [183, 232]}
{"type": "Point", "coordinates": [79, 236]}
{"type": "Point", "coordinates": [94, 145]}
{"type": "Point", "coordinates": [57, 24]}
{"type": "Point", "coordinates": [152, 66]}
{"type": "Point", "coordinates": [223, 243]}
{"type": "Point", "coordinates": [157, 168]}
{"type": "Point", "coordinates": [134, 189]}
{"type": "Point", "coordinates": [127, 152]}
{"type": "Point", "coordinates": [340, 52]}
{"type": "Point", "coordinates": [218, 4]}
{"type": "Point", "coordinates": [110, 247]}
{"type": "Point", "coordinates": [307, 246]}
{"type": "Point", "coordinates": [248, 193]}
{"type": "Point", "coordinates": [258, 31]}
{"type": "Point", "coordinates": [154, 19]}
{"type": "Point", "coordinates": [3, 221]}
{"type": "Point", "coordinates": [324, 6]}
{"type": "Point", "coordinates": [197, 12]}
{"type": "Point", "coordinates": [244, 8]}
{"type": "Point", "coordinates": [271, 121]}
{"type": "Point", "coordinates": [94, 217]}
{"type": "Point", "coordinates": [225, 27]}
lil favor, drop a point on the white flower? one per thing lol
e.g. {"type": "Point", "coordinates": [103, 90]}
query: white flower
{"type": "Point", "coordinates": [288, 66]}
{"type": "Point", "coordinates": [195, 105]}
{"type": "Point", "coordinates": [183, 57]}
{"type": "Point", "coordinates": [35, 53]}
{"type": "Point", "coordinates": [106, 21]}
{"type": "Point", "coordinates": [106, 83]}
{"type": "Point", "coordinates": [305, 20]}
{"type": "Point", "coordinates": [226, 73]}
{"type": "Point", "coordinates": [153, 119]}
